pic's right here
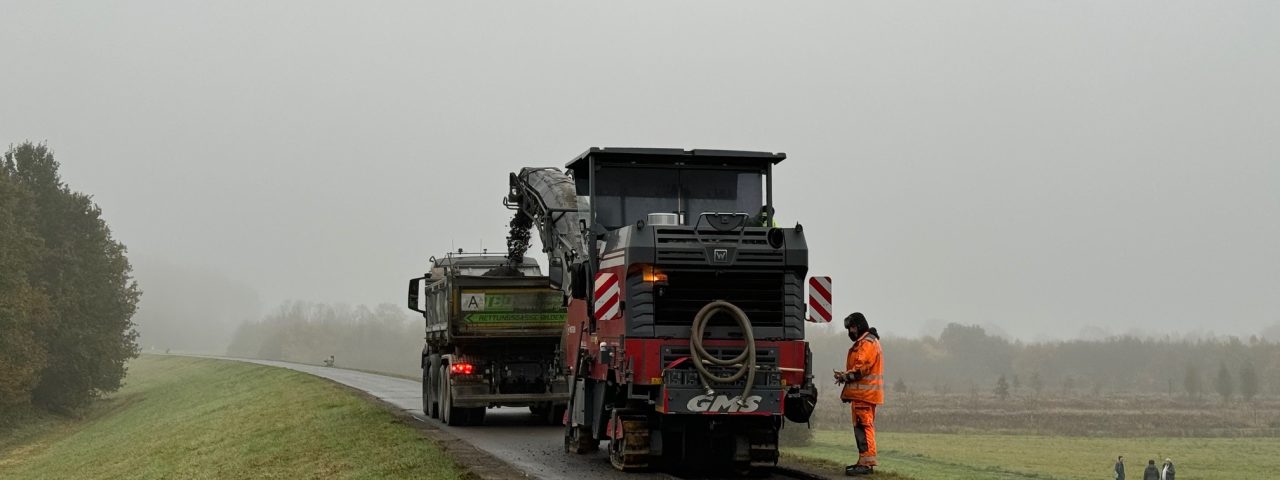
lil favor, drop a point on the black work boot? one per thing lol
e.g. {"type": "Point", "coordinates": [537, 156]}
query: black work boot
{"type": "Point", "coordinates": [853, 470]}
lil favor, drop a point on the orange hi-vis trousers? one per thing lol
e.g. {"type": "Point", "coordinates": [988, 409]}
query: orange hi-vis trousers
{"type": "Point", "coordinates": [864, 430]}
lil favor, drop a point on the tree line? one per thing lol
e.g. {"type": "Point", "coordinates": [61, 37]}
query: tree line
{"type": "Point", "coordinates": [383, 339]}
{"type": "Point", "coordinates": [967, 359]}
{"type": "Point", "coordinates": [66, 291]}
{"type": "Point", "coordinates": [962, 359]}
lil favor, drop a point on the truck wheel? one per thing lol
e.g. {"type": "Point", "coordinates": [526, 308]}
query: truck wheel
{"type": "Point", "coordinates": [445, 407]}
{"type": "Point", "coordinates": [426, 392]}
{"type": "Point", "coordinates": [449, 414]}
{"type": "Point", "coordinates": [432, 409]}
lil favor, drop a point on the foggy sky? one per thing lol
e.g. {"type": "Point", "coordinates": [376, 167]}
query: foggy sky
{"type": "Point", "coordinates": [1040, 166]}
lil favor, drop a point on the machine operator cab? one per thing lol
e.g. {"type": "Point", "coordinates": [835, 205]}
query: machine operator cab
{"type": "Point", "coordinates": [623, 186]}
{"type": "Point", "coordinates": [690, 226]}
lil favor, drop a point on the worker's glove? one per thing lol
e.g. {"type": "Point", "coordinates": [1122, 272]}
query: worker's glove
{"type": "Point", "coordinates": [839, 376]}
{"type": "Point", "coordinates": [852, 377]}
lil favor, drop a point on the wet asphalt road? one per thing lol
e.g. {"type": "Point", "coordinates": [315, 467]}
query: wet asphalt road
{"type": "Point", "coordinates": [511, 434]}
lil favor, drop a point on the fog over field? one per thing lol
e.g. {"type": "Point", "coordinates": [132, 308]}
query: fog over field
{"type": "Point", "coordinates": [1045, 169]}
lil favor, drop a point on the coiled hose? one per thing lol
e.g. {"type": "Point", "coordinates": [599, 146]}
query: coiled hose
{"type": "Point", "coordinates": [745, 361]}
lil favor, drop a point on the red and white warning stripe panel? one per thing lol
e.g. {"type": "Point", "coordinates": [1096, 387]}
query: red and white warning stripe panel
{"type": "Point", "coordinates": [820, 299]}
{"type": "Point", "coordinates": [608, 295]}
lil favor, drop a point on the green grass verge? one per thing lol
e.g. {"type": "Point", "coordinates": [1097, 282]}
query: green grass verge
{"type": "Point", "coordinates": [20, 425]}
{"type": "Point", "coordinates": [937, 456]}
{"type": "Point", "coordinates": [180, 417]}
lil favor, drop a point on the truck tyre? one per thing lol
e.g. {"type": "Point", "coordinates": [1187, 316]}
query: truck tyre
{"type": "Point", "coordinates": [446, 409]}
{"type": "Point", "coordinates": [449, 414]}
{"type": "Point", "coordinates": [426, 392]}
{"type": "Point", "coordinates": [432, 386]}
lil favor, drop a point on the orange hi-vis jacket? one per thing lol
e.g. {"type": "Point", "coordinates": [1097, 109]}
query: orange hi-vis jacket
{"type": "Point", "coordinates": [865, 359]}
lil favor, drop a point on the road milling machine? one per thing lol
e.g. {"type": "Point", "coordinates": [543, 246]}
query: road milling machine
{"type": "Point", "coordinates": [684, 342]}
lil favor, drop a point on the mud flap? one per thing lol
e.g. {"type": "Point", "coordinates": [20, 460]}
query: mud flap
{"type": "Point", "coordinates": [578, 437]}
{"type": "Point", "coordinates": [579, 414]}
{"type": "Point", "coordinates": [800, 403]}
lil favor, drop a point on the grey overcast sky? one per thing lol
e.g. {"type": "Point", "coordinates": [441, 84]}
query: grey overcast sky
{"type": "Point", "coordinates": [1042, 166]}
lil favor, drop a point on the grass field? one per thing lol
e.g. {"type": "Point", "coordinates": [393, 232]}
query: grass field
{"type": "Point", "coordinates": [181, 417]}
{"type": "Point", "coordinates": [961, 456]}
{"type": "Point", "coordinates": [1110, 415]}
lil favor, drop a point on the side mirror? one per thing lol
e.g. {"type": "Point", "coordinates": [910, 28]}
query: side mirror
{"type": "Point", "coordinates": [415, 286]}
{"type": "Point", "coordinates": [555, 273]}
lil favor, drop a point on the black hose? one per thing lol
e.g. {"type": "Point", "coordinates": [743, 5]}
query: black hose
{"type": "Point", "coordinates": [746, 361]}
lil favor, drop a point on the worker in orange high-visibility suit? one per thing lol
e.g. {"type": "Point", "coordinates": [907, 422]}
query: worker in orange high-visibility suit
{"type": "Point", "coordinates": [863, 380]}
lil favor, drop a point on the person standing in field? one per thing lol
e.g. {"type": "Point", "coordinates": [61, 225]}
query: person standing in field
{"type": "Point", "coordinates": [1166, 473]}
{"type": "Point", "coordinates": [863, 381]}
{"type": "Point", "coordinates": [1151, 473]}
{"type": "Point", "coordinates": [1120, 467]}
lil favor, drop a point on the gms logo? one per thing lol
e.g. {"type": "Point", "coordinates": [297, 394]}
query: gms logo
{"type": "Point", "coordinates": [721, 403]}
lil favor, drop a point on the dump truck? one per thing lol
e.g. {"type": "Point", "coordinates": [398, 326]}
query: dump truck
{"type": "Point", "coordinates": [492, 338]}
{"type": "Point", "coordinates": [685, 340]}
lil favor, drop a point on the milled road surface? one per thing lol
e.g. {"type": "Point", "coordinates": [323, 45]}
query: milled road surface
{"type": "Point", "coordinates": [511, 434]}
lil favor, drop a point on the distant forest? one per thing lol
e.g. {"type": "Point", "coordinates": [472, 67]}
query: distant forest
{"type": "Point", "coordinates": [961, 359]}
{"type": "Point", "coordinates": [965, 359]}
{"type": "Point", "coordinates": [383, 339]}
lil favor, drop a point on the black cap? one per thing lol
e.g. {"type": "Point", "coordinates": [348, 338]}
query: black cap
{"type": "Point", "coordinates": [856, 319]}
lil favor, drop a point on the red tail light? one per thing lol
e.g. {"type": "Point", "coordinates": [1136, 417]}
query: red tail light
{"type": "Point", "coordinates": [462, 368]}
